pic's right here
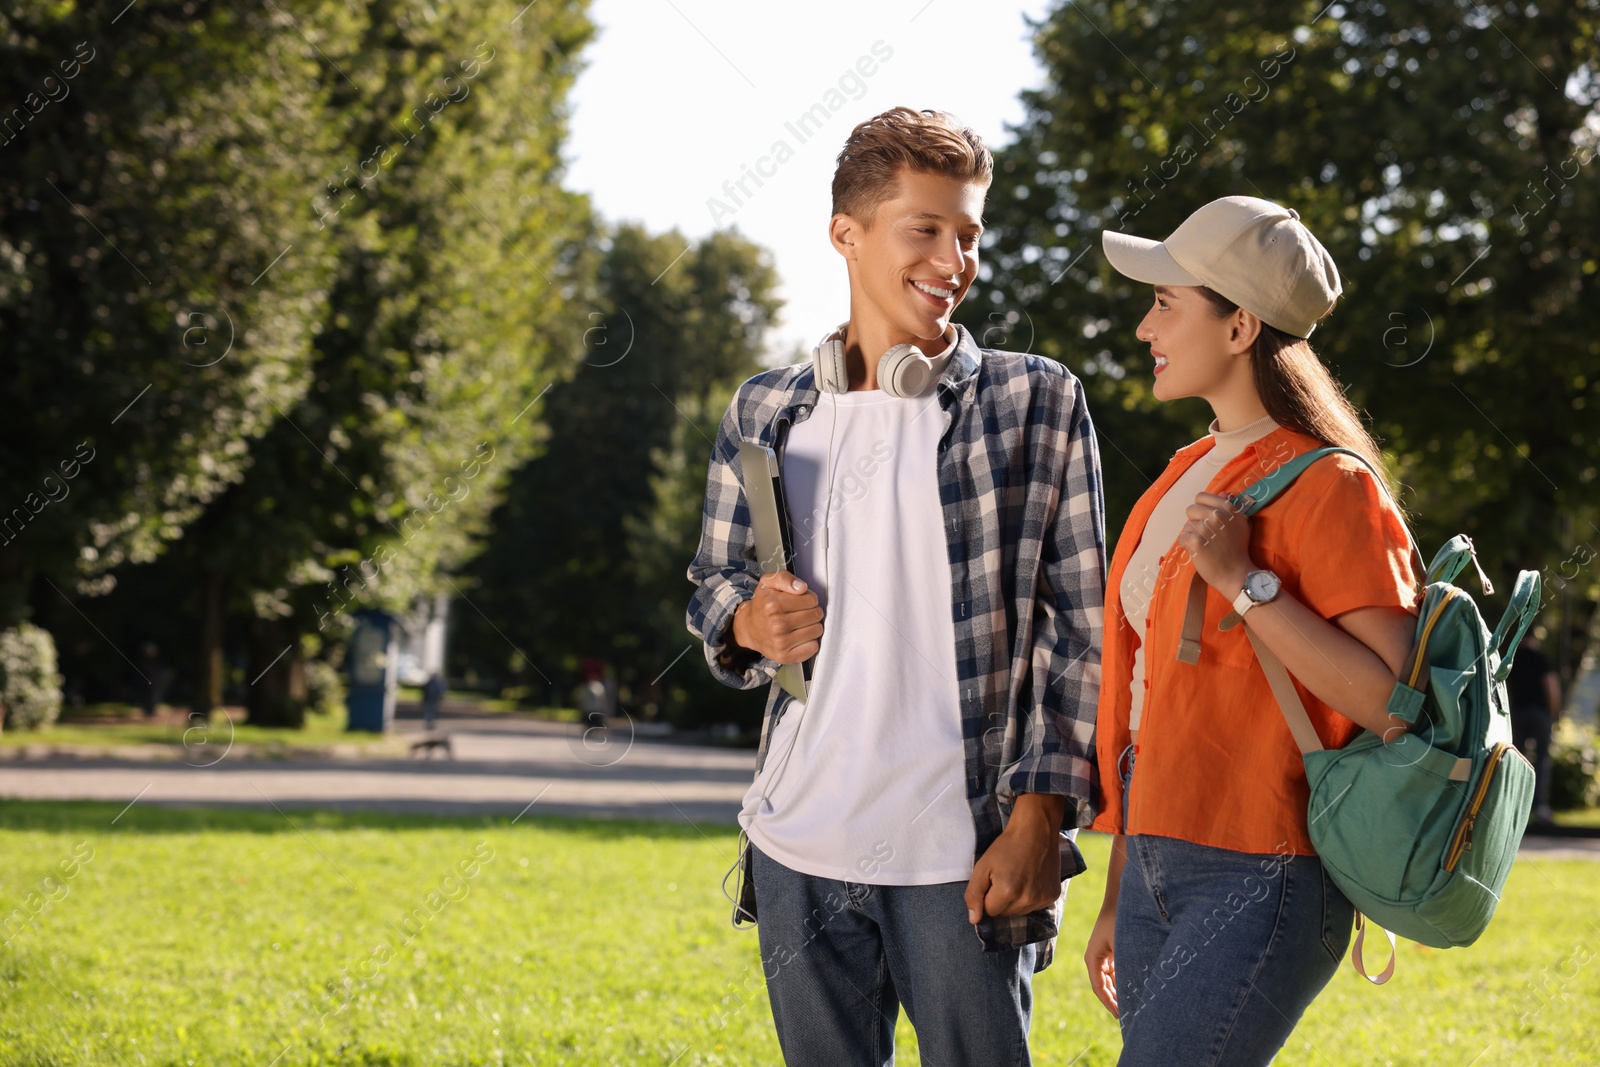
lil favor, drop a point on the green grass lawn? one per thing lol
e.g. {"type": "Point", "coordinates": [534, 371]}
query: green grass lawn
{"type": "Point", "coordinates": [484, 704]}
{"type": "Point", "coordinates": [319, 730]}
{"type": "Point", "coordinates": [90, 725]}
{"type": "Point", "coordinates": [1586, 817]}
{"type": "Point", "coordinates": [222, 937]}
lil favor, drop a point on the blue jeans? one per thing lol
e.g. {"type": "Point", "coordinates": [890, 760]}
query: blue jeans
{"type": "Point", "coordinates": [840, 958]}
{"type": "Point", "coordinates": [1218, 953]}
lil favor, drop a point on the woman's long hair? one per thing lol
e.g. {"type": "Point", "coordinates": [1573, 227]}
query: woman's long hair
{"type": "Point", "coordinates": [1300, 393]}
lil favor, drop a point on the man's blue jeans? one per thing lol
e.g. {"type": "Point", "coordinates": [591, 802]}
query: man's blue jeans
{"type": "Point", "coordinates": [1218, 953]}
{"type": "Point", "coordinates": [841, 957]}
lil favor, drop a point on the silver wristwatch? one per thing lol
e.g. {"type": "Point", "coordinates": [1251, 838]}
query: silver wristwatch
{"type": "Point", "coordinates": [1260, 587]}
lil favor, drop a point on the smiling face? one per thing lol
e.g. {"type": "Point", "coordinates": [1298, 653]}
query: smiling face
{"type": "Point", "coordinates": [1196, 352]}
{"type": "Point", "coordinates": [913, 261]}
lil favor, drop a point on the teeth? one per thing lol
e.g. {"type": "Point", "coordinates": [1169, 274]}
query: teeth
{"type": "Point", "coordinates": [1161, 361]}
{"type": "Point", "coordinates": [942, 294]}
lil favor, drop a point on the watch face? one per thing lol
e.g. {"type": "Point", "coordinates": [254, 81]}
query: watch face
{"type": "Point", "coordinates": [1262, 586]}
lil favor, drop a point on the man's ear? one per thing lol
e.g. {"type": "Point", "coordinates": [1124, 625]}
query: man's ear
{"type": "Point", "coordinates": [843, 232]}
{"type": "Point", "coordinates": [1243, 331]}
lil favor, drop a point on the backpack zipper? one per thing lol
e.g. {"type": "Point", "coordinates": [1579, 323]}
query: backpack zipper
{"type": "Point", "coordinates": [1462, 842]}
{"type": "Point", "coordinates": [1450, 593]}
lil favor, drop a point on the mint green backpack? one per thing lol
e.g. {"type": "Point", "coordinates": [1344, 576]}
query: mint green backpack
{"type": "Point", "coordinates": [1419, 831]}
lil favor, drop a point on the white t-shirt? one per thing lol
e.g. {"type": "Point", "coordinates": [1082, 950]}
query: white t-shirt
{"type": "Point", "coordinates": [874, 790]}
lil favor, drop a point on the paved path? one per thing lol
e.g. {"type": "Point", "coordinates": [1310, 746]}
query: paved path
{"type": "Point", "coordinates": [501, 765]}
{"type": "Point", "coordinates": [1561, 848]}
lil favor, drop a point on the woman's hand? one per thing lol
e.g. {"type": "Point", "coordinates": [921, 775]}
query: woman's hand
{"type": "Point", "coordinates": [1350, 663]}
{"type": "Point", "coordinates": [1217, 538]}
{"type": "Point", "coordinates": [1101, 959]}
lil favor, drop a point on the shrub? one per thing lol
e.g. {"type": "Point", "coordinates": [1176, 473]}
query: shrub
{"type": "Point", "coordinates": [324, 688]}
{"type": "Point", "coordinates": [30, 688]}
{"type": "Point", "coordinates": [1574, 766]}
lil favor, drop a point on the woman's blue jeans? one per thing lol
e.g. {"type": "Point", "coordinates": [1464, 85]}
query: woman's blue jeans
{"type": "Point", "coordinates": [1218, 953]}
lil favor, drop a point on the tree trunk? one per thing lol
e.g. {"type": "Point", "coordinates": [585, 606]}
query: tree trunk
{"type": "Point", "coordinates": [15, 578]}
{"type": "Point", "coordinates": [277, 691]}
{"type": "Point", "coordinates": [208, 683]}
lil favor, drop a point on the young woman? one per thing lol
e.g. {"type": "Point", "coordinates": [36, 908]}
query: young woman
{"type": "Point", "coordinates": [1219, 926]}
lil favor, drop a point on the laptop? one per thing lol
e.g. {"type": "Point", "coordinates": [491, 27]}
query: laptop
{"type": "Point", "coordinates": [774, 537]}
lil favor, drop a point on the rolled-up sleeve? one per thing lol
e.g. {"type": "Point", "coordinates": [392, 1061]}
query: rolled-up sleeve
{"type": "Point", "coordinates": [724, 569]}
{"type": "Point", "coordinates": [1369, 565]}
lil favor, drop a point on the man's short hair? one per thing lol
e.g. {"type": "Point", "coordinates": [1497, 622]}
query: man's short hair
{"type": "Point", "coordinates": [929, 142]}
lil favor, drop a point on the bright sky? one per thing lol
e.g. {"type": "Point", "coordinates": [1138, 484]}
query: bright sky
{"type": "Point", "coordinates": [681, 96]}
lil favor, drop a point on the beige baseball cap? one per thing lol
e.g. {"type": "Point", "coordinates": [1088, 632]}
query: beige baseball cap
{"type": "Point", "coordinates": [1256, 253]}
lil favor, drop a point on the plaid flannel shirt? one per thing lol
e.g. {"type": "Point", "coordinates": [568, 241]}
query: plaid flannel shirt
{"type": "Point", "coordinates": [1019, 482]}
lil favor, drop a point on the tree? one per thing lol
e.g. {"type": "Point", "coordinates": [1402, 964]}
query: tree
{"type": "Point", "coordinates": [1446, 156]}
{"type": "Point", "coordinates": [377, 198]}
{"type": "Point", "coordinates": [674, 323]}
{"type": "Point", "coordinates": [141, 200]}
{"type": "Point", "coordinates": [458, 253]}
{"type": "Point", "coordinates": [661, 541]}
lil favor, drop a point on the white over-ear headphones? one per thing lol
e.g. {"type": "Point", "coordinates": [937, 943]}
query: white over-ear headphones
{"type": "Point", "coordinates": [903, 371]}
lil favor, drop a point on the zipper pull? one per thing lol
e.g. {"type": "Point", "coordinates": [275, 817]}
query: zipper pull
{"type": "Point", "coordinates": [1472, 553]}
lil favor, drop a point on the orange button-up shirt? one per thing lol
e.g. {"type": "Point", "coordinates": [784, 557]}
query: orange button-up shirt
{"type": "Point", "coordinates": [1216, 762]}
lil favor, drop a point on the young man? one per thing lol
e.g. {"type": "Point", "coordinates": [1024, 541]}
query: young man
{"type": "Point", "coordinates": [949, 579]}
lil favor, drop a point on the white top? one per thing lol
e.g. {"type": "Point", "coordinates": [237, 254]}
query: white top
{"type": "Point", "coordinates": [874, 790]}
{"type": "Point", "coordinates": [1161, 531]}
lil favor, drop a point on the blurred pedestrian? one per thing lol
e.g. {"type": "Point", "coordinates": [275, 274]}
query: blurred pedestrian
{"type": "Point", "coordinates": [593, 695]}
{"type": "Point", "coordinates": [150, 686]}
{"type": "Point", "coordinates": [432, 694]}
{"type": "Point", "coordinates": [1533, 689]}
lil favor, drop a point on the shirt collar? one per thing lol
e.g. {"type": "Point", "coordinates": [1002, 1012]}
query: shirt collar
{"type": "Point", "coordinates": [960, 377]}
{"type": "Point", "coordinates": [1252, 432]}
{"type": "Point", "coordinates": [1268, 443]}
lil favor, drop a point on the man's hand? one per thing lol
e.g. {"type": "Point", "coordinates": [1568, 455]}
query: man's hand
{"type": "Point", "coordinates": [782, 621]}
{"type": "Point", "coordinates": [1021, 871]}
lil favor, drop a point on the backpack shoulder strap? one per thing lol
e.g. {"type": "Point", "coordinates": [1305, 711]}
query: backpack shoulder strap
{"type": "Point", "coordinates": [1263, 492]}
{"type": "Point", "coordinates": [1255, 497]}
